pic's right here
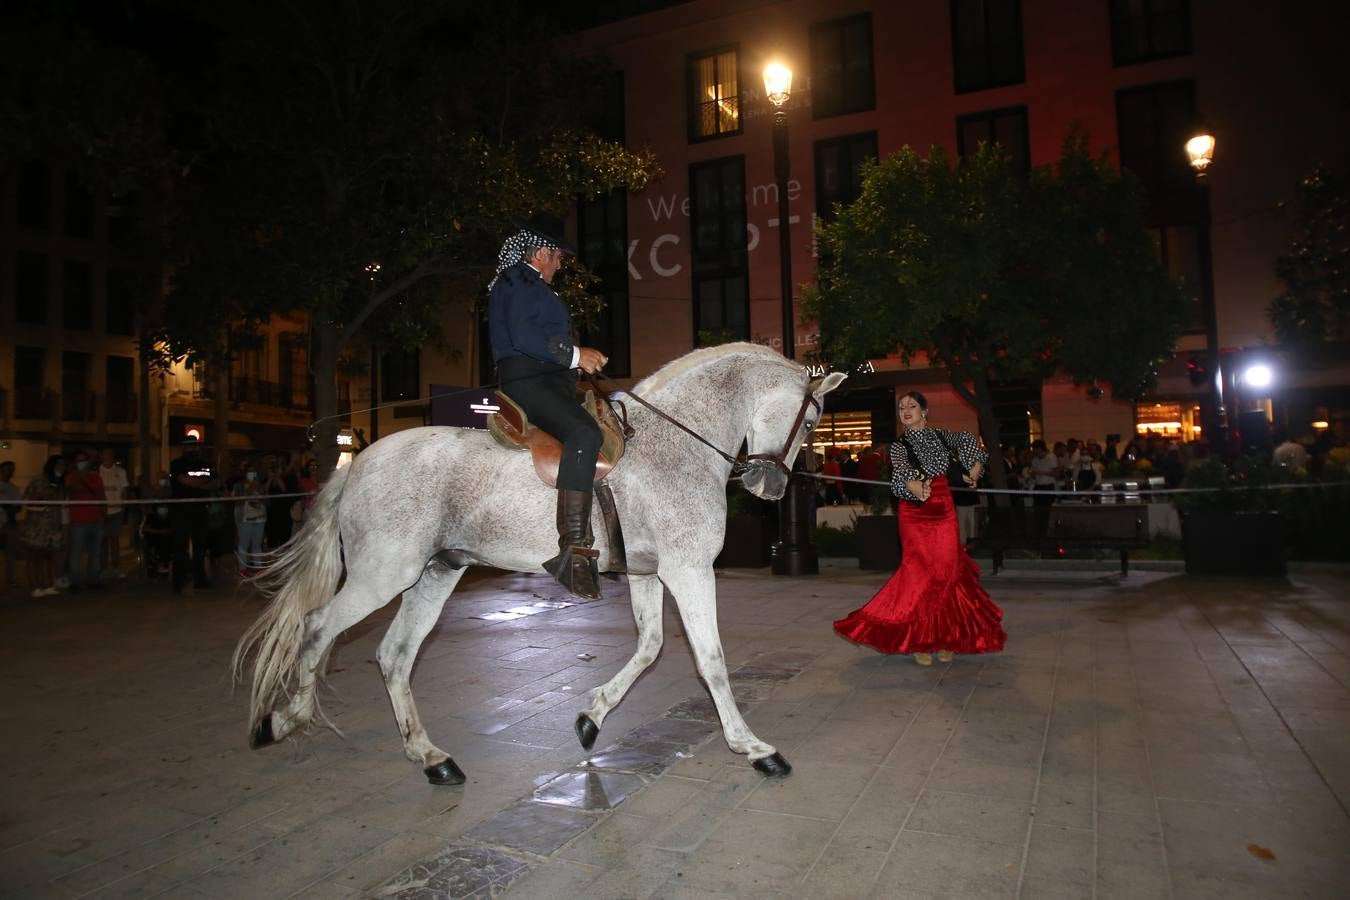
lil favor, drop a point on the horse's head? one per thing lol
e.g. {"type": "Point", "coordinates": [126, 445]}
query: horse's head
{"type": "Point", "coordinates": [781, 421]}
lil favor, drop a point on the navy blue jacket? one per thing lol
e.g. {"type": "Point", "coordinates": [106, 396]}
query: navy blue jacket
{"type": "Point", "coordinates": [526, 318]}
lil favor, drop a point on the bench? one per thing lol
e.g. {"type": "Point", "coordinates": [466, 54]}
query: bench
{"type": "Point", "coordinates": [1065, 526]}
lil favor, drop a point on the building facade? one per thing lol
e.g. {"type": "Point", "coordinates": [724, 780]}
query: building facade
{"type": "Point", "coordinates": [74, 275]}
{"type": "Point", "coordinates": [694, 258]}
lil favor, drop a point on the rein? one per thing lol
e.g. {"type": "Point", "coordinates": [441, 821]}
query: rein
{"type": "Point", "coordinates": [739, 465]}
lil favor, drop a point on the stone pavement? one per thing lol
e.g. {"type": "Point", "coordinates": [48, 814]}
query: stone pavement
{"type": "Point", "coordinates": [1161, 737]}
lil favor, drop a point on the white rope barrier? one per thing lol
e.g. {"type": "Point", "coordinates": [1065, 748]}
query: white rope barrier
{"type": "Point", "coordinates": [162, 501]}
{"type": "Point", "coordinates": [1098, 491]}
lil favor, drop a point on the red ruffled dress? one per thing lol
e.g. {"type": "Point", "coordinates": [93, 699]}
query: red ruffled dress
{"type": "Point", "coordinates": [934, 600]}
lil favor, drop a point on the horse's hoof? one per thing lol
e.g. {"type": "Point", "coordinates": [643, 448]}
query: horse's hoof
{"type": "Point", "coordinates": [262, 733]}
{"type": "Point", "coordinates": [587, 731]}
{"type": "Point", "coordinates": [773, 766]}
{"type": "Point", "coordinates": [444, 773]}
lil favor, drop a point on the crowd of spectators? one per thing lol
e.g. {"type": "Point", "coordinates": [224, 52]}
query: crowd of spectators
{"type": "Point", "coordinates": [79, 545]}
{"type": "Point", "coordinates": [1069, 465]}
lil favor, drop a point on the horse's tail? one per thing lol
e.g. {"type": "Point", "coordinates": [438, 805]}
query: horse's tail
{"type": "Point", "coordinates": [302, 576]}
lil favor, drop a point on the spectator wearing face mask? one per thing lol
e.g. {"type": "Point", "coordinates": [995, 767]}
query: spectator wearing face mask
{"type": "Point", "coordinates": [250, 519]}
{"type": "Point", "coordinates": [86, 523]}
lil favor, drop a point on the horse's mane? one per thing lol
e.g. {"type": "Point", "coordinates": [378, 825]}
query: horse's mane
{"type": "Point", "coordinates": [672, 371]}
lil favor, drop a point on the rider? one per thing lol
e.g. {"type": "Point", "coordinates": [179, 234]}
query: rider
{"type": "Point", "coordinates": [536, 362]}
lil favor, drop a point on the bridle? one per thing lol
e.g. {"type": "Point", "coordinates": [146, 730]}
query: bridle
{"type": "Point", "coordinates": [779, 459]}
{"type": "Point", "coordinates": [739, 464]}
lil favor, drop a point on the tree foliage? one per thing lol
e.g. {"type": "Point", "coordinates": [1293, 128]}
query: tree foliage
{"type": "Point", "coordinates": [985, 269]}
{"type": "Point", "coordinates": [381, 136]}
{"type": "Point", "coordinates": [1315, 304]}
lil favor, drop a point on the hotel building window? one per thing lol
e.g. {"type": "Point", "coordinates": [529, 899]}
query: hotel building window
{"type": "Point", "coordinates": [1179, 253]}
{"type": "Point", "coordinates": [987, 44]}
{"type": "Point", "coordinates": [1005, 127]}
{"type": "Point", "coordinates": [30, 395]}
{"type": "Point", "coordinates": [1143, 30]}
{"type": "Point", "coordinates": [34, 200]}
{"type": "Point", "coordinates": [842, 79]}
{"type": "Point", "coordinates": [293, 375]}
{"type": "Point", "coordinates": [120, 388]}
{"type": "Point", "coordinates": [76, 401]}
{"type": "Point", "coordinates": [79, 207]}
{"type": "Point", "coordinates": [602, 228]}
{"type": "Point", "coordinates": [839, 170]}
{"type": "Point", "coordinates": [1152, 124]}
{"type": "Point", "coordinates": [121, 300]}
{"type": "Point", "coordinates": [718, 251]}
{"type": "Point", "coordinates": [714, 94]}
{"type": "Point", "coordinates": [30, 287]}
{"type": "Point", "coordinates": [77, 290]}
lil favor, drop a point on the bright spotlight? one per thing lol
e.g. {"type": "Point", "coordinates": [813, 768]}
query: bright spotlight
{"type": "Point", "coordinates": [1258, 375]}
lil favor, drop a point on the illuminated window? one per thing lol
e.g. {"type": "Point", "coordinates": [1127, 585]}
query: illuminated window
{"type": "Point", "coordinates": [714, 94]}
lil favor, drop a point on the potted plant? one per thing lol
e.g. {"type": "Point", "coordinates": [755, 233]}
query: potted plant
{"type": "Point", "coordinates": [877, 533]}
{"type": "Point", "coordinates": [1233, 527]}
{"type": "Point", "coordinates": [751, 530]}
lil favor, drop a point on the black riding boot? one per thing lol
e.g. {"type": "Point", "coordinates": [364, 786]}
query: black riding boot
{"type": "Point", "coordinates": [575, 565]}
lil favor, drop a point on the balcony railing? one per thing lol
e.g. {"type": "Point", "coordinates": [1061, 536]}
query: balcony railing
{"type": "Point", "coordinates": [33, 402]}
{"type": "Point", "coordinates": [77, 406]}
{"type": "Point", "coordinates": [122, 407]}
{"type": "Point", "coordinates": [270, 393]}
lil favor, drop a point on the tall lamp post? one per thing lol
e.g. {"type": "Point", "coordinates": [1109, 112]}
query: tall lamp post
{"type": "Point", "coordinates": [794, 554]}
{"type": "Point", "coordinates": [778, 88]}
{"type": "Point", "coordinates": [1200, 151]}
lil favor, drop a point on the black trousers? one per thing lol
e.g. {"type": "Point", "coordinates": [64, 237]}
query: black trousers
{"type": "Point", "coordinates": [189, 522]}
{"type": "Point", "coordinates": [547, 393]}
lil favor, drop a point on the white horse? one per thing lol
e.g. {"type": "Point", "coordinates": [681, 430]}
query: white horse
{"type": "Point", "coordinates": [414, 509]}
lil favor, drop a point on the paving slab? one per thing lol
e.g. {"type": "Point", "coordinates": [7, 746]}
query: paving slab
{"type": "Point", "coordinates": [1154, 736]}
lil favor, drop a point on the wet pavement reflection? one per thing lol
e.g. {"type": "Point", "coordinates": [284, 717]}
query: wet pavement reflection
{"type": "Point", "coordinates": [568, 804]}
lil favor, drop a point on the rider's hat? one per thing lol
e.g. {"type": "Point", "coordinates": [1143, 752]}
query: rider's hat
{"type": "Point", "coordinates": [549, 231]}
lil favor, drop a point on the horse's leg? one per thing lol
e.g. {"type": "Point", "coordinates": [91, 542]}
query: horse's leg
{"type": "Point", "coordinates": [647, 594]}
{"type": "Point", "coordinates": [417, 615]}
{"type": "Point", "coordinates": [695, 592]}
{"type": "Point", "coordinates": [357, 599]}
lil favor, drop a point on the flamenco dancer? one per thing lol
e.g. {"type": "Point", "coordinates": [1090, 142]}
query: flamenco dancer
{"type": "Point", "coordinates": [933, 603]}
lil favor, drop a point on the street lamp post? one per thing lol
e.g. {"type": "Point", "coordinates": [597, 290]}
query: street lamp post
{"type": "Point", "coordinates": [794, 554]}
{"type": "Point", "coordinates": [1200, 150]}
{"type": "Point", "coordinates": [778, 88]}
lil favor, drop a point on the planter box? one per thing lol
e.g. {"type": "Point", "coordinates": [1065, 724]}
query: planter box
{"type": "Point", "coordinates": [747, 542]}
{"type": "Point", "coordinates": [1219, 542]}
{"type": "Point", "coordinates": [878, 542]}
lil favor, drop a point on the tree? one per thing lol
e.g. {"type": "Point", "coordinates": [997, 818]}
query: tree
{"type": "Point", "coordinates": [374, 156]}
{"type": "Point", "coordinates": [1315, 304]}
{"type": "Point", "coordinates": [996, 274]}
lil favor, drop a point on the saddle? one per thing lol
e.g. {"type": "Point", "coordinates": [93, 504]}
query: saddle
{"type": "Point", "coordinates": [512, 429]}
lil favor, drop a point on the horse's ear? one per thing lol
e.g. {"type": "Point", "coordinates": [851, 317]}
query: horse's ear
{"type": "Point", "coordinates": [822, 386]}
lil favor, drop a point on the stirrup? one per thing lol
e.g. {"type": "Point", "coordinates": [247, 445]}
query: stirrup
{"type": "Point", "coordinates": [575, 569]}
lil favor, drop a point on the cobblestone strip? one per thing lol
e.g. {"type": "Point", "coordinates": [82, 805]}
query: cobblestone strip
{"type": "Point", "coordinates": [499, 850]}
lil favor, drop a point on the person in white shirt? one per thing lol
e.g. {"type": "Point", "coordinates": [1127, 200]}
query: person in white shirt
{"type": "Point", "coordinates": [115, 485]}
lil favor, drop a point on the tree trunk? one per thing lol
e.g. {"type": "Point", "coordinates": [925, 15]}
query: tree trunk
{"type": "Point", "coordinates": [325, 357]}
{"type": "Point", "coordinates": [989, 432]}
